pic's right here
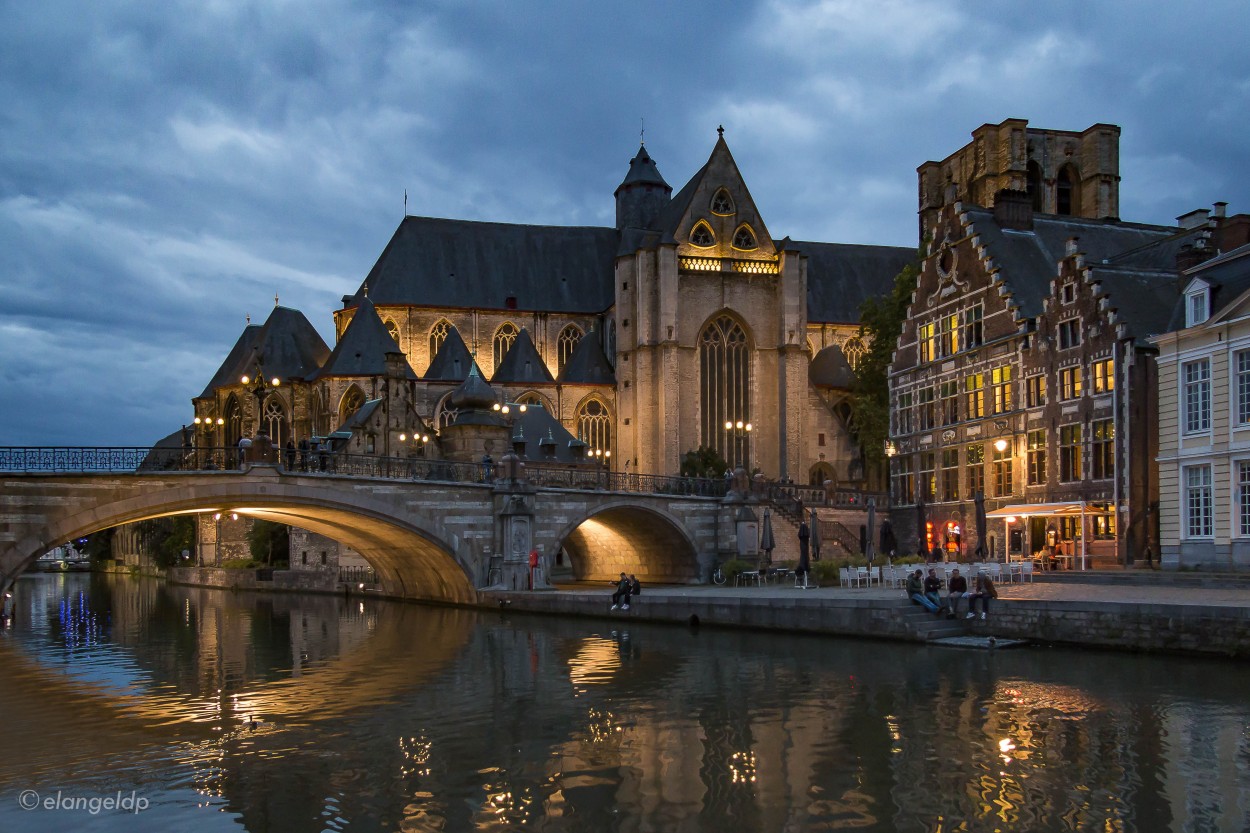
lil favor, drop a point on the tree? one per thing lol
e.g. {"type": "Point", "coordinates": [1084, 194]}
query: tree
{"type": "Point", "coordinates": [880, 323]}
{"type": "Point", "coordinates": [269, 542]}
{"type": "Point", "coordinates": [705, 462]}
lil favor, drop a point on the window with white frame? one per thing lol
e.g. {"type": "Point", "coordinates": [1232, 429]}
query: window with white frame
{"type": "Point", "coordinates": [1197, 402]}
{"type": "Point", "coordinates": [1243, 387]}
{"type": "Point", "coordinates": [1196, 307]}
{"type": "Point", "coordinates": [1199, 514]}
{"type": "Point", "coordinates": [1243, 498]}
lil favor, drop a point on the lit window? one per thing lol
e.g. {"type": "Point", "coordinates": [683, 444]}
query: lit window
{"type": "Point", "coordinates": [725, 378]}
{"type": "Point", "coordinates": [1002, 471]}
{"type": "Point", "coordinates": [926, 336]}
{"type": "Point", "coordinates": [744, 239]}
{"type": "Point", "coordinates": [438, 334]}
{"type": "Point", "coordinates": [974, 388]}
{"type": "Point", "coordinates": [701, 235]}
{"type": "Point", "coordinates": [1197, 403]}
{"type": "Point", "coordinates": [1070, 383]}
{"type": "Point", "coordinates": [567, 342]}
{"type": "Point", "coordinates": [1000, 380]}
{"type": "Point", "coordinates": [1035, 391]}
{"type": "Point", "coordinates": [594, 426]}
{"type": "Point", "coordinates": [1199, 509]}
{"type": "Point", "coordinates": [1104, 376]}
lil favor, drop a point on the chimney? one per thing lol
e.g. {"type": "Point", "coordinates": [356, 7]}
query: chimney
{"type": "Point", "coordinates": [1191, 254]}
{"type": "Point", "coordinates": [1194, 219]}
{"type": "Point", "coordinates": [1070, 247]}
{"type": "Point", "coordinates": [1217, 210]}
{"type": "Point", "coordinates": [1013, 210]}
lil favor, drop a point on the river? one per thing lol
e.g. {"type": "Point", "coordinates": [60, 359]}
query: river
{"type": "Point", "coordinates": [131, 705]}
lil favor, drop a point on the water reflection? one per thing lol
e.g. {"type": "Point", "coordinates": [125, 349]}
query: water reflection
{"type": "Point", "coordinates": [285, 713]}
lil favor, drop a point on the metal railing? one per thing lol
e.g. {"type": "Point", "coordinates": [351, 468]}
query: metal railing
{"type": "Point", "coordinates": [791, 498]}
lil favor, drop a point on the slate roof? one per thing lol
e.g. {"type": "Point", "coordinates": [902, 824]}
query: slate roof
{"type": "Point", "coordinates": [1228, 275]}
{"type": "Point", "coordinates": [642, 171]}
{"type": "Point", "coordinates": [452, 362]}
{"type": "Point", "coordinates": [464, 264]}
{"type": "Point", "coordinates": [588, 365]}
{"type": "Point", "coordinates": [362, 349]}
{"type": "Point", "coordinates": [830, 369]}
{"type": "Point", "coordinates": [521, 364]}
{"type": "Point", "coordinates": [1135, 262]}
{"type": "Point", "coordinates": [289, 345]}
{"type": "Point", "coordinates": [361, 417]}
{"type": "Point", "coordinates": [537, 425]}
{"type": "Point", "coordinates": [840, 276]}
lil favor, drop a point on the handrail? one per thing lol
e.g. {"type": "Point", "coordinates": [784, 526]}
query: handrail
{"type": "Point", "coordinates": [790, 498]}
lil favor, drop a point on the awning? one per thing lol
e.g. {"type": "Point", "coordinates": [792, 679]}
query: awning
{"type": "Point", "coordinates": [1027, 510]}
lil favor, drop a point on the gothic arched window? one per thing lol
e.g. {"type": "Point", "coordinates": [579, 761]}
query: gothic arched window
{"type": "Point", "coordinates": [444, 415]}
{"type": "Point", "coordinates": [438, 334]}
{"type": "Point", "coordinates": [701, 235]}
{"type": "Point", "coordinates": [567, 343]}
{"type": "Point", "coordinates": [234, 422]}
{"type": "Point", "coordinates": [594, 426]}
{"type": "Point", "coordinates": [504, 337]}
{"type": "Point", "coordinates": [722, 203]}
{"type": "Point", "coordinates": [1033, 184]}
{"type": "Point", "coordinates": [819, 473]}
{"type": "Point", "coordinates": [744, 238]}
{"type": "Point", "coordinates": [393, 329]}
{"type": "Point", "coordinates": [275, 421]}
{"type": "Point", "coordinates": [1067, 195]}
{"type": "Point", "coordinates": [854, 350]}
{"type": "Point", "coordinates": [320, 413]}
{"type": "Point", "coordinates": [352, 402]}
{"type": "Point", "coordinates": [725, 388]}
{"type": "Point", "coordinates": [532, 398]}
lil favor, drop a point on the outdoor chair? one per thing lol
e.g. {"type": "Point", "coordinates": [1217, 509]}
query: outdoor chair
{"type": "Point", "coordinates": [1026, 571]}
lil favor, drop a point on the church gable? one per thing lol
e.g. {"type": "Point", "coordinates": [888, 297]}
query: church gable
{"type": "Point", "coordinates": [714, 214]}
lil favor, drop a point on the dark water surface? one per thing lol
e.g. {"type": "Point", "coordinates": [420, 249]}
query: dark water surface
{"type": "Point", "coordinates": [384, 716]}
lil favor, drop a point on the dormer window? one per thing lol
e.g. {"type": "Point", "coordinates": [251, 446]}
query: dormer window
{"type": "Point", "coordinates": [722, 203]}
{"type": "Point", "coordinates": [744, 239]}
{"type": "Point", "coordinates": [701, 235]}
{"type": "Point", "coordinates": [1196, 307]}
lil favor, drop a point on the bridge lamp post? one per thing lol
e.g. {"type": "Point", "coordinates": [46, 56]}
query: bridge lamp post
{"type": "Point", "coordinates": [740, 434]}
{"type": "Point", "coordinates": [415, 443]}
{"type": "Point", "coordinates": [891, 451]}
{"type": "Point", "coordinates": [260, 389]}
{"type": "Point", "coordinates": [209, 424]}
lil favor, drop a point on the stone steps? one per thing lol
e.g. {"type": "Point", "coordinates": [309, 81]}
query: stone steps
{"type": "Point", "coordinates": [926, 626]}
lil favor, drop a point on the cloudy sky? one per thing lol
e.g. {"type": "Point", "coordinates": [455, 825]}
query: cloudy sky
{"type": "Point", "coordinates": [167, 168]}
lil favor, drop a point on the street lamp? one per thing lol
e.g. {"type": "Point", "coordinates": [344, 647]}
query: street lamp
{"type": "Point", "coordinates": [260, 389]}
{"type": "Point", "coordinates": [417, 444]}
{"type": "Point", "coordinates": [740, 432]}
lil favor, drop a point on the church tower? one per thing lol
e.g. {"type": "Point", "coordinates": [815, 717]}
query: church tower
{"type": "Point", "coordinates": [710, 318]}
{"type": "Point", "coordinates": [642, 194]}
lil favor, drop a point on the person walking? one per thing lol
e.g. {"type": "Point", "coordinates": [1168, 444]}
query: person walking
{"type": "Point", "coordinates": [983, 590]}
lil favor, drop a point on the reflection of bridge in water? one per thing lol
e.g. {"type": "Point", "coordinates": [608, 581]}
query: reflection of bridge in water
{"type": "Point", "coordinates": [434, 530]}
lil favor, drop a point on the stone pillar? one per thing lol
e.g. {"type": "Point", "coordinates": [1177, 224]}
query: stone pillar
{"type": "Point", "coordinates": [515, 535]}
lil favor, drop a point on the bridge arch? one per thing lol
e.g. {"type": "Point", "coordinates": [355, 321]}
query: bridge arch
{"type": "Point", "coordinates": [626, 536]}
{"type": "Point", "coordinates": [413, 552]}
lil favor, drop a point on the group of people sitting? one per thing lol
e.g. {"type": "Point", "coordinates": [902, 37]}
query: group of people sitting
{"type": "Point", "coordinates": [626, 587]}
{"type": "Point", "coordinates": [927, 592]}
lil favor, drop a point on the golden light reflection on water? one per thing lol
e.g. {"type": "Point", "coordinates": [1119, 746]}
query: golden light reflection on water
{"type": "Point", "coordinates": [396, 717]}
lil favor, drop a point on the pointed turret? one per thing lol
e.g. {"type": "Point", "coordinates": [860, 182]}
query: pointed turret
{"type": "Point", "coordinates": [522, 365]}
{"type": "Point", "coordinates": [642, 194]}
{"type": "Point", "coordinates": [452, 362]}
{"type": "Point", "coordinates": [362, 349]}
{"type": "Point", "coordinates": [588, 365]}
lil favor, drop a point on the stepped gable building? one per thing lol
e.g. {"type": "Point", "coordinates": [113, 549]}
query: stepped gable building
{"type": "Point", "coordinates": [642, 340]}
{"type": "Point", "coordinates": [1024, 371]}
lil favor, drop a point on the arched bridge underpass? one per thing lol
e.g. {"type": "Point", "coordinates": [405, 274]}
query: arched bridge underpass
{"type": "Point", "coordinates": [428, 540]}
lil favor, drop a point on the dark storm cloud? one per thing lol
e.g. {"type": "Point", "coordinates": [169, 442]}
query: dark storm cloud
{"type": "Point", "coordinates": [166, 169]}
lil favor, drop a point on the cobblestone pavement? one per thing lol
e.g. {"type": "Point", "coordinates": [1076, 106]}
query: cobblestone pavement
{"type": "Point", "coordinates": [1155, 593]}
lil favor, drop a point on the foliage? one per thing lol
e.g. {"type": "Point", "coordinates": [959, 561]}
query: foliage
{"type": "Point", "coordinates": [241, 564]}
{"type": "Point", "coordinates": [825, 572]}
{"type": "Point", "coordinates": [99, 545]}
{"type": "Point", "coordinates": [706, 462]}
{"type": "Point", "coordinates": [880, 323]}
{"type": "Point", "coordinates": [269, 542]}
{"type": "Point", "coordinates": [733, 567]}
{"type": "Point", "coordinates": [166, 538]}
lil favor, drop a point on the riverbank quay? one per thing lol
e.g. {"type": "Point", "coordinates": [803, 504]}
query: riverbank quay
{"type": "Point", "coordinates": [1151, 616]}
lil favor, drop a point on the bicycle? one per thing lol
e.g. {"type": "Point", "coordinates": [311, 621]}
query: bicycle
{"type": "Point", "coordinates": [718, 575]}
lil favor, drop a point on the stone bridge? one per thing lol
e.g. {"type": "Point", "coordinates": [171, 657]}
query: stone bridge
{"type": "Point", "coordinates": [426, 539]}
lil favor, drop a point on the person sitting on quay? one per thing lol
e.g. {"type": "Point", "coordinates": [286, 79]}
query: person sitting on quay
{"type": "Point", "coordinates": [635, 586]}
{"type": "Point", "coordinates": [620, 598]}
{"type": "Point", "coordinates": [915, 592]}
{"type": "Point", "coordinates": [933, 589]}
{"type": "Point", "coordinates": [983, 590]}
{"type": "Point", "coordinates": [956, 588]}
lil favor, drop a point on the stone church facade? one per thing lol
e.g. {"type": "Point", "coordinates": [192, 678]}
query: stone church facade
{"type": "Point", "coordinates": [639, 342]}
